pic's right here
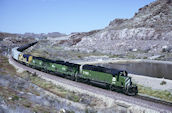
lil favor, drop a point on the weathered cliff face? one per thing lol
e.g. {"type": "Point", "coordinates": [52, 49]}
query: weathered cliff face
{"type": "Point", "coordinates": [149, 30]}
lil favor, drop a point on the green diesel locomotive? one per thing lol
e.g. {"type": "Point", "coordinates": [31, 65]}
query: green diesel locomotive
{"type": "Point", "coordinates": [112, 78]}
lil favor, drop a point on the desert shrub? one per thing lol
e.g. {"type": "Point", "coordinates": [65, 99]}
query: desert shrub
{"type": "Point", "coordinates": [163, 82]}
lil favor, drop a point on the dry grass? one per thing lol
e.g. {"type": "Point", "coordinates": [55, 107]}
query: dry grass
{"type": "Point", "coordinates": [5, 67]}
{"type": "Point", "coordinates": [59, 91]}
{"type": "Point", "coordinates": [164, 95]}
{"type": "Point", "coordinates": [11, 96]}
{"type": "Point", "coordinates": [163, 82]}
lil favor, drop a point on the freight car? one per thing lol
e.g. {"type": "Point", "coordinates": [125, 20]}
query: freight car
{"type": "Point", "coordinates": [112, 78]}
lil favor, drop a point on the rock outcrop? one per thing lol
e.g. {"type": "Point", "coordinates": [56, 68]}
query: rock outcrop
{"type": "Point", "coordinates": [151, 25]}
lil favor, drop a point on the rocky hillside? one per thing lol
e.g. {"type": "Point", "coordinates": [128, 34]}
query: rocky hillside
{"type": "Point", "coordinates": [10, 40]}
{"type": "Point", "coordinates": [31, 35]}
{"type": "Point", "coordinates": [42, 35]}
{"type": "Point", "coordinates": [4, 35]}
{"type": "Point", "coordinates": [150, 30]}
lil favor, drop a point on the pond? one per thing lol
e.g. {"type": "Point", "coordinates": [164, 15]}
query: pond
{"type": "Point", "coordinates": [157, 69]}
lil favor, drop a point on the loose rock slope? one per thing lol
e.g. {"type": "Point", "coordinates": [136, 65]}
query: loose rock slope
{"type": "Point", "coordinates": [147, 35]}
{"type": "Point", "coordinates": [148, 31]}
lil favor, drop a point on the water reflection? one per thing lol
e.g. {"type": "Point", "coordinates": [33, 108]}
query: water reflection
{"type": "Point", "coordinates": [152, 69]}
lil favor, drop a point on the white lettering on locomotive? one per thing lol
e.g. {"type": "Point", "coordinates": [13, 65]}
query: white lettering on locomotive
{"type": "Point", "coordinates": [63, 68]}
{"type": "Point", "coordinates": [85, 72]}
{"type": "Point", "coordinates": [53, 66]}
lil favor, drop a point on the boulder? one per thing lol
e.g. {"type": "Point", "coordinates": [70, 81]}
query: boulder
{"type": "Point", "coordinates": [155, 57]}
{"type": "Point", "coordinates": [166, 48]}
{"type": "Point", "coordinates": [62, 110]}
{"type": "Point", "coordinates": [135, 50]}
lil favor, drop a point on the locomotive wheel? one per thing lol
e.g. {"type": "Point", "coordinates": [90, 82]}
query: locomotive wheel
{"type": "Point", "coordinates": [88, 81]}
{"type": "Point", "coordinates": [130, 92]}
{"type": "Point", "coordinates": [107, 86]}
{"type": "Point", "coordinates": [73, 78]}
{"type": "Point", "coordinates": [111, 87]}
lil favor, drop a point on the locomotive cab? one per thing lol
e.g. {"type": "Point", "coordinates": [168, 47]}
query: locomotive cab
{"type": "Point", "coordinates": [125, 82]}
{"type": "Point", "coordinates": [25, 58]}
{"type": "Point", "coordinates": [120, 78]}
{"type": "Point", "coordinates": [123, 73]}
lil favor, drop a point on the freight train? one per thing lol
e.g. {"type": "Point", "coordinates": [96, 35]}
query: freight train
{"type": "Point", "coordinates": [113, 79]}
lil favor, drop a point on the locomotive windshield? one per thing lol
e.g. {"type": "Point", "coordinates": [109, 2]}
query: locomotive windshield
{"type": "Point", "coordinates": [123, 73]}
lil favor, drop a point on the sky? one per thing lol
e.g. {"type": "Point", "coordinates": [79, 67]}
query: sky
{"type": "Point", "coordinates": [65, 16]}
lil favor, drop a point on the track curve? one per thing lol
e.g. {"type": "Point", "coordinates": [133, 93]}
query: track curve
{"type": "Point", "coordinates": [114, 95]}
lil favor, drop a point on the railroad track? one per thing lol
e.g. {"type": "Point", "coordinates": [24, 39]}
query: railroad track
{"type": "Point", "coordinates": [141, 100]}
{"type": "Point", "coordinates": [153, 99]}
